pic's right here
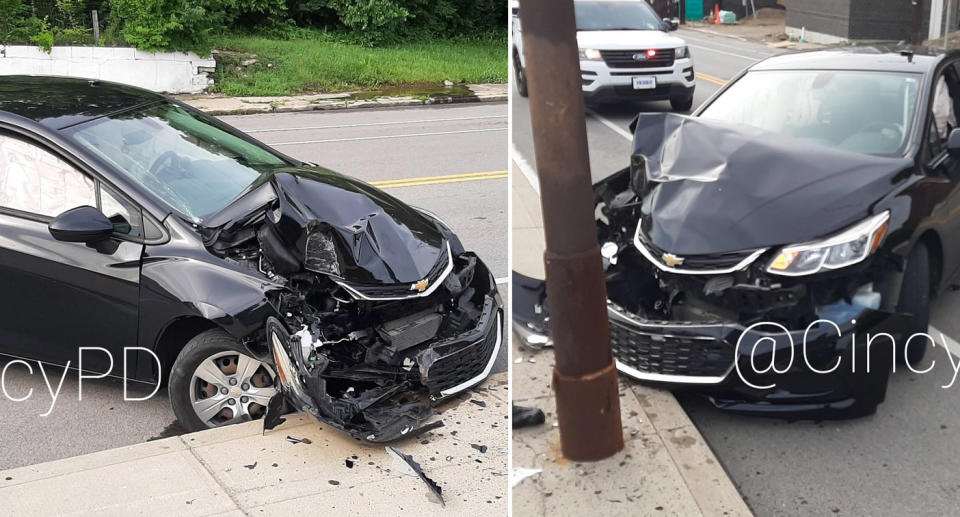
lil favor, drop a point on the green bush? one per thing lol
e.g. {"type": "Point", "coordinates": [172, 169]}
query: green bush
{"type": "Point", "coordinates": [169, 24]}
{"type": "Point", "coordinates": [371, 21]}
{"type": "Point", "coordinates": [192, 24]}
{"type": "Point", "coordinates": [43, 37]}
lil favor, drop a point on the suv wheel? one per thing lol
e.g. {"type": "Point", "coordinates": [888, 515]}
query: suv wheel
{"type": "Point", "coordinates": [215, 382]}
{"type": "Point", "coordinates": [521, 76]}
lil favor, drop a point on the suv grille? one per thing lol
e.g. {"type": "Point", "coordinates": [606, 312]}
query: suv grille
{"type": "Point", "coordinates": [625, 59]}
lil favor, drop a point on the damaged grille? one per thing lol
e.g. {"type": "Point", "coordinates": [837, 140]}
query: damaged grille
{"type": "Point", "coordinates": [434, 278]}
{"type": "Point", "coordinates": [464, 358]}
{"type": "Point", "coordinates": [625, 59]}
{"type": "Point", "coordinates": [669, 355]}
{"type": "Point", "coordinates": [714, 263]}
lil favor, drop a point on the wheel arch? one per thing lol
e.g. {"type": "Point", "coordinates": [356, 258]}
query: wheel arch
{"type": "Point", "coordinates": [174, 336]}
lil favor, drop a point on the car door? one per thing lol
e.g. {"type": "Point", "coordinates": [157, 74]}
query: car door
{"type": "Point", "coordinates": [943, 170]}
{"type": "Point", "coordinates": [56, 297]}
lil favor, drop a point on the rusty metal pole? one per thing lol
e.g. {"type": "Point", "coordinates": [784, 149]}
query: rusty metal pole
{"type": "Point", "coordinates": [585, 377]}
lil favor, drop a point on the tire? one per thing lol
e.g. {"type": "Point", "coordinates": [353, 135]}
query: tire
{"type": "Point", "coordinates": [915, 299]}
{"type": "Point", "coordinates": [202, 386]}
{"type": "Point", "coordinates": [520, 75]}
{"type": "Point", "coordinates": [682, 104]}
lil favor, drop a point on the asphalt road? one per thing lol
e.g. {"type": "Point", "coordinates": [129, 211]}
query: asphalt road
{"type": "Point", "coordinates": [901, 461]}
{"type": "Point", "coordinates": [427, 157]}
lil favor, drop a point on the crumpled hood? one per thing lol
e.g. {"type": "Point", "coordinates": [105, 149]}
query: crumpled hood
{"type": "Point", "coordinates": [718, 188]}
{"type": "Point", "coordinates": [380, 240]}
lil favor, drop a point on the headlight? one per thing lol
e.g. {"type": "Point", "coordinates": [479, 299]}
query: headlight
{"type": "Point", "coordinates": [681, 53]}
{"type": "Point", "coordinates": [590, 54]}
{"type": "Point", "coordinates": [846, 248]}
{"type": "Point", "coordinates": [286, 370]}
{"type": "Point", "coordinates": [320, 255]}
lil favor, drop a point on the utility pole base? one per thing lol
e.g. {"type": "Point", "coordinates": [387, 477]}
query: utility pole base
{"type": "Point", "coordinates": [596, 395]}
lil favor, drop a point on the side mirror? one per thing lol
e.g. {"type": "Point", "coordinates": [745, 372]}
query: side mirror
{"type": "Point", "coordinates": [82, 224]}
{"type": "Point", "coordinates": [671, 24]}
{"type": "Point", "coordinates": [953, 143]}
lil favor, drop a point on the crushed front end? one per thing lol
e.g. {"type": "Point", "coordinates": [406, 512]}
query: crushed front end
{"type": "Point", "coordinates": [382, 312]}
{"type": "Point", "coordinates": [714, 322]}
{"type": "Point", "coordinates": [689, 236]}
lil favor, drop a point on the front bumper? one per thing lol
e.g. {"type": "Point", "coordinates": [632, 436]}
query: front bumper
{"type": "Point", "coordinates": [704, 357]}
{"type": "Point", "coordinates": [673, 82]}
{"type": "Point", "coordinates": [394, 400]}
{"type": "Point", "coordinates": [729, 363]}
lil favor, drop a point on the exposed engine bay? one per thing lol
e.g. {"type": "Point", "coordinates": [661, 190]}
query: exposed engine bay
{"type": "Point", "coordinates": [355, 342]}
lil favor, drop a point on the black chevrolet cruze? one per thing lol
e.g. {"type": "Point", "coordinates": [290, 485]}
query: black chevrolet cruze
{"type": "Point", "coordinates": [814, 199]}
{"type": "Point", "coordinates": [253, 280]}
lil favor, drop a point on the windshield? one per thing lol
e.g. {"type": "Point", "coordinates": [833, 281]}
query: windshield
{"type": "Point", "coordinates": [864, 112]}
{"type": "Point", "coordinates": [616, 16]}
{"type": "Point", "coordinates": [185, 160]}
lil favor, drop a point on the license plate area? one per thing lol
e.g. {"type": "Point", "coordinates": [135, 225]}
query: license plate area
{"type": "Point", "coordinates": [647, 82]}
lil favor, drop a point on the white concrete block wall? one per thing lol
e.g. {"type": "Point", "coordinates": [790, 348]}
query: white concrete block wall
{"type": "Point", "coordinates": [168, 72]}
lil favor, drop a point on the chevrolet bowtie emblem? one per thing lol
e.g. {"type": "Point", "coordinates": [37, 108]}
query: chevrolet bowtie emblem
{"type": "Point", "coordinates": [671, 260]}
{"type": "Point", "coordinates": [420, 286]}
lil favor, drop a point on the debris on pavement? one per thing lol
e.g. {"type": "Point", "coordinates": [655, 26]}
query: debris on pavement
{"type": "Point", "coordinates": [349, 464]}
{"type": "Point", "coordinates": [478, 402]}
{"type": "Point", "coordinates": [527, 416]}
{"type": "Point", "coordinates": [299, 440]}
{"type": "Point", "coordinates": [273, 416]}
{"type": "Point", "coordinates": [519, 474]}
{"type": "Point", "coordinates": [410, 467]}
{"type": "Point", "coordinates": [481, 448]}
{"type": "Point", "coordinates": [251, 467]}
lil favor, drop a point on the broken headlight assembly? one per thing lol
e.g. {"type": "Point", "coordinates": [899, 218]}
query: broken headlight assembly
{"type": "Point", "coordinates": [844, 249]}
{"type": "Point", "coordinates": [321, 253]}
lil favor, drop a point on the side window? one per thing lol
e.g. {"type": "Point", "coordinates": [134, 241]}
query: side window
{"type": "Point", "coordinates": [35, 181]}
{"type": "Point", "coordinates": [125, 216]}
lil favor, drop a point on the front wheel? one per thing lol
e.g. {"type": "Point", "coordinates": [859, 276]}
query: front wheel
{"type": "Point", "coordinates": [215, 382]}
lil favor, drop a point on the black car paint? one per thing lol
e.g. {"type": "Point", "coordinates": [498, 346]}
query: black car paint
{"type": "Point", "coordinates": [742, 210]}
{"type": "Point", "coordinates": [712, 166]}
{"type": "Point", "coordinates": [158, 291]}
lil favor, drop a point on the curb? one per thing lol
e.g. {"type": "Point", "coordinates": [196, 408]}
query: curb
{"type": "Point", "coordinates": [203, 104]}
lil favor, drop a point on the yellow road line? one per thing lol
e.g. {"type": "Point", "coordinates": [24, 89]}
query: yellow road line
{"type": "Point", "coordinates": [445, 176]}
{"type": "Point", "coordinates": [446, 180]}
{"type": "Point", "coordinates": [712, 79]}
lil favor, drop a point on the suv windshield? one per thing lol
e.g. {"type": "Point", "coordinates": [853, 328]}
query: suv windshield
{"type": "Point", "coordinates": [616, 16]}
{"type": "Point", "coordinates": [193, 165]}
{"type": "Point", "coordinates": [864, 112]}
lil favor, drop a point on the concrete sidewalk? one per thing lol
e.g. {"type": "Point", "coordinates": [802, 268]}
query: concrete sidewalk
{"type": "Point", "coordinates": [223, 105]}
{"type": "Point", "coordinates": [237, 471]}
{"type": "Point", "coordinates": [665, 468]}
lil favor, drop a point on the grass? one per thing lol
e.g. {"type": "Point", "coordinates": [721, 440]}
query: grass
{"type": "Point", "coordinates": [321, 63]}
